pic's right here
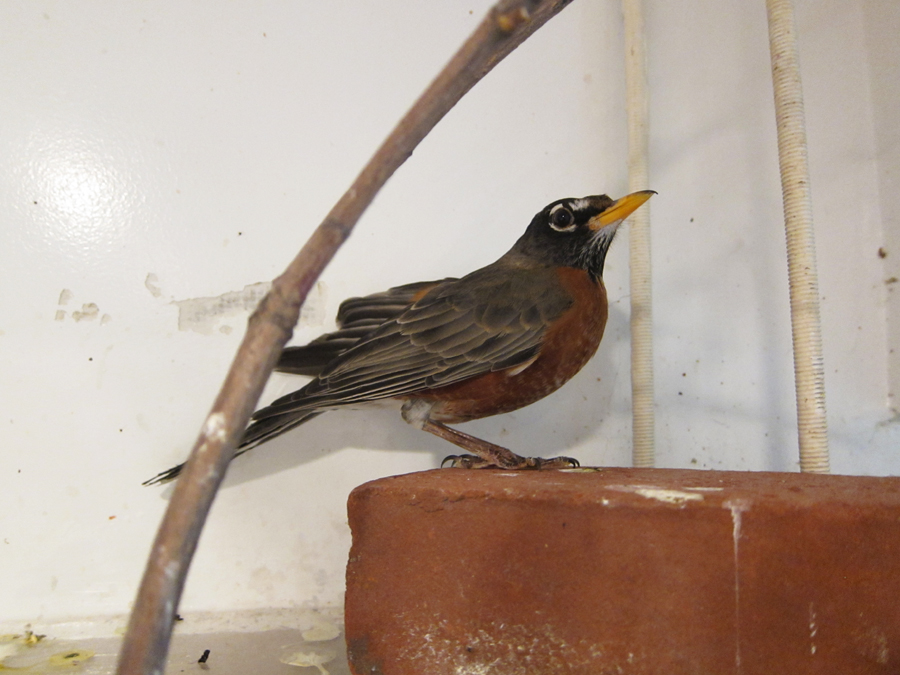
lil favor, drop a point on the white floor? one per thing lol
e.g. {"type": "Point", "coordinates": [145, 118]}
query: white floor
{"type": "Point", "coordinates": [317, 650]}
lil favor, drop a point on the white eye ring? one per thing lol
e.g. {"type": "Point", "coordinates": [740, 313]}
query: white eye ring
{"type": "Point", "coordinates": [561, 228]}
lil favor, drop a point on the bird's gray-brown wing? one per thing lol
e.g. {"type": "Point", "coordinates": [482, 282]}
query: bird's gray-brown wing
{"type": "Point", "coordinates": [492, 319]}
{"type": "Point", "coordinates": [356, 318]}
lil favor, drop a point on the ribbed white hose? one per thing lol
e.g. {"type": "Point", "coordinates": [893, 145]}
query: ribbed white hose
{"type": "Point", "coordinates": [643, 421]}
{"type": "Point", "coordinates": [809, 369]}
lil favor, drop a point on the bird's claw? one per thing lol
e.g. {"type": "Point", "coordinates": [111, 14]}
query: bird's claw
{"type": "Point", "coordinates": [557, 463]}
{"type": "Point", "coordinates": [465, 462]}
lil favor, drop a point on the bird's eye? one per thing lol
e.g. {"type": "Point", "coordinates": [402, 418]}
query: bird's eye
{"type": "Point", "coordinates": [561, 219]}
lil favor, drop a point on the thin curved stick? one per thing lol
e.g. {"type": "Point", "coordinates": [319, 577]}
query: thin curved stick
{"type": "Point", "coordinates": [146, 645]}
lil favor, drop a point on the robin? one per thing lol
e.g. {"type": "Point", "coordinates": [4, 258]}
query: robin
{"type": "Point", "coordinates": [456, 350]}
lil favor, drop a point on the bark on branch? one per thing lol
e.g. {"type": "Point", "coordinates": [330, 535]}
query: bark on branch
{"type": "Point", "coordinates": [146, 643]}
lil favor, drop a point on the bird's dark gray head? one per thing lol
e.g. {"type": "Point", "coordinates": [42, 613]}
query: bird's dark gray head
{"type": "Point", "coordinates": [577, 232]}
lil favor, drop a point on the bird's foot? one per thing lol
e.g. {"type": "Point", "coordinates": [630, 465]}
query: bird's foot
{"type": "Point", "coordinates": [487, 455]}
{"type": "Point", "coordinates": [475, 462]}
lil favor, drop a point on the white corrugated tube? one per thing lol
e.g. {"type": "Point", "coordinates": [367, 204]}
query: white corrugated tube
{"type": "Point", "coordinates": [643, 420]}
{"type": "Point", "coordinates": [809, 369]}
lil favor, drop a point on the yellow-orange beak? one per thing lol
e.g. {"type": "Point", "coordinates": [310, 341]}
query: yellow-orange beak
{"type": "Point", "coordinates": [620, 209]}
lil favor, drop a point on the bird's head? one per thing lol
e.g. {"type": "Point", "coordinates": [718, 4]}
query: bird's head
{"type": "Point", "coordinates": [577, 232]}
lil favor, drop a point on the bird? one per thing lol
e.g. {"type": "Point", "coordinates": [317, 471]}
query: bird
{"type": "Point", "coordinates": [459, 349]}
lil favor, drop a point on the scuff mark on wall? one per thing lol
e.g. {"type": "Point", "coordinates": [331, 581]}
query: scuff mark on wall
{"type": "Point", "coordinates": [150, 284]}
{"type": "Point", "coordinates": [89, 310]}
{"type": "Point", "coordinates": [206, 315]}
{"type": "Point", "coordinates": [64, 296]}
{"type": "Point", "coordinates": [202, 314]}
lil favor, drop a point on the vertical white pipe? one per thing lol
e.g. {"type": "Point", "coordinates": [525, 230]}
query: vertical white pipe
{"type": "Point", "coordinates": [643, 420]}
{"type": "Point", "coordinates": [809, 369]}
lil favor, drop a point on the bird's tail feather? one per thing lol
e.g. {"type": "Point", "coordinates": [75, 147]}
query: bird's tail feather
{"type": "Point", "coordinates": [258, 432]}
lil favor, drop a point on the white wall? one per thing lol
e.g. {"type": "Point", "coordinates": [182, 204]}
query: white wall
{"type": "Point", "coordinates": [152, 154]}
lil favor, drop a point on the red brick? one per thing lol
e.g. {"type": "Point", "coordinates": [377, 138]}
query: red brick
{"type": "Point", "coordinates": [456, 572]}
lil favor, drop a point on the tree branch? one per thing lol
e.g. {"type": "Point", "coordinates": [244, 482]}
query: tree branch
{"type": "Point", "coordinates": [146, 643]}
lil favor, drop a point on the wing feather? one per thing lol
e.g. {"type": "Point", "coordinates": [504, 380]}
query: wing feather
{"type": "Point", "coordinates": [356, 318]}
{"type": "Point", "coordinates": [492, 319]}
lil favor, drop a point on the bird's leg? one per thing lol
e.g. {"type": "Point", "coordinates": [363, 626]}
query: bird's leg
{"type": "Point", "coordinates": [490, 455]}
{"type": "Point", "coordinates": [485, 454]}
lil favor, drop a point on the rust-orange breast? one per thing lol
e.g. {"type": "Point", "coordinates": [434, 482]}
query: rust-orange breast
{"type": "Point", "coordinates": [568, 344]}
